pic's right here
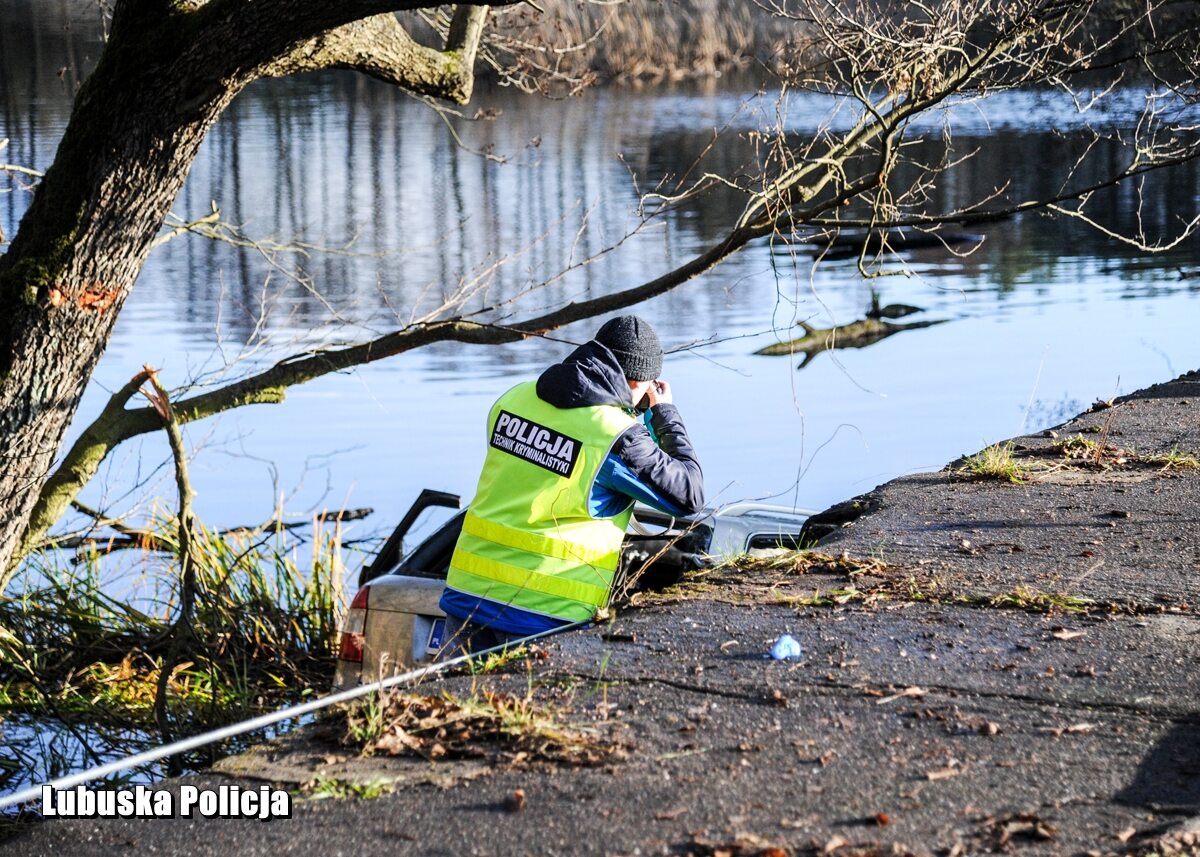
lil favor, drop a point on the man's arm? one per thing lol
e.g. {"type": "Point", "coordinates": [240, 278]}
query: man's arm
{"type": "Point", "coordinates": [665, 475]}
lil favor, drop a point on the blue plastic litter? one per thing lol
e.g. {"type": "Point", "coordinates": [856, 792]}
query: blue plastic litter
{"type": "Point", "coordinates": [787, 648]}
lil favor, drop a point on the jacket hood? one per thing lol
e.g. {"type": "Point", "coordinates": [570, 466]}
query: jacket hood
{"type": "Point", "coordinates": [589, 376]}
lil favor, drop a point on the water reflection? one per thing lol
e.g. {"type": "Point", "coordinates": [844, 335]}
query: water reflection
{"type": "Point", "coordinates": [38, 750]}
{"type": "Point", "coordinates": [346, 163]}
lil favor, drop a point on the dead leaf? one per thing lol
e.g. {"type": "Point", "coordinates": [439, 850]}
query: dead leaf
{"type": "Point", "coordinates": [1064, 634]}
{"type": "Point", "coordinates": [943, 773]}
{"type": "Point", "coordinates": [1073, 729]}
{"type": "Point", "coordinates": [1023, 825]}
{"type": "Point", "coordinates": [1126, 834]}
{"type": "Point", "coordinates": [910, 692]}
{"type": "Point", "coordinates": [397, 742]}
{"type": "Point", "coordinates": [743, 845]}
{"type": "Point", "coordinates": [516, 801]}
{"type": "Point", "coordinates": [834, 844]}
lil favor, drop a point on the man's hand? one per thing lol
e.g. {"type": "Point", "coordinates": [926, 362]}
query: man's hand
{"type": "Point", "coordinates": [659, 393]}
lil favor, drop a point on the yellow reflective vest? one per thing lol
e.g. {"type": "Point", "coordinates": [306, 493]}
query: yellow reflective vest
{"type": "Point", "coordinates": [528, 539]}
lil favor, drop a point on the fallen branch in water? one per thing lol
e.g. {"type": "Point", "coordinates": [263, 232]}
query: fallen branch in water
{"type": "Point", "coordinates": [150, 540]}
{"type": "Point", "coordinates": [856, 334]}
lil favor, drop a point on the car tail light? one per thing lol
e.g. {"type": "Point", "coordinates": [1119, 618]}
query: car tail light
{"type": "Point", "coordinates": [350, 647]}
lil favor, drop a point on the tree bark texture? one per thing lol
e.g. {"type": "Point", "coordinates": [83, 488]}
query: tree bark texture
{"type": "Point", "coordinates": [382, 48]}
{"type": "Point", "coordinates": [168, 70]}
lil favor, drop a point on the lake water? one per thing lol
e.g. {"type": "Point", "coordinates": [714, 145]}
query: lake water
{"type": "Point", "coordinates": [1045, 317]}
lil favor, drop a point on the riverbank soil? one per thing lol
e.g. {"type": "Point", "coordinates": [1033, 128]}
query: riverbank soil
{"type": "Point", "coordinates": [987, 667]}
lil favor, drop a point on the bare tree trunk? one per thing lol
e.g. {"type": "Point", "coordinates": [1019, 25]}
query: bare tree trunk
{"type": "Point", "coordinates": [136, 127]}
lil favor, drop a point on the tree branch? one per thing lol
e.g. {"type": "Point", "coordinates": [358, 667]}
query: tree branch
{"type": "Point", "coordinates": [270, 385]}
{"type": "Point", "coordinates": [381, 48]}
{"type": "Point", "coordinates": [77, 468]}
{"type": "Point", "coordinates": [181, 632]}
{"type": "Point", "coordinates": [182, 228]}
{"type": "Point", "coordinates": [980, 215]}
{"type": "Point", "coordinates": [116, 424]}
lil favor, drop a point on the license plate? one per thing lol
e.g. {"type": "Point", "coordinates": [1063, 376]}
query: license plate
{"type": "Point", "coordinates": [437, 635]}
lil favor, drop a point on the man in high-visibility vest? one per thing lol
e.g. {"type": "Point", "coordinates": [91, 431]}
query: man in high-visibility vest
{"type": "Point", "coordinates": [568, 454]}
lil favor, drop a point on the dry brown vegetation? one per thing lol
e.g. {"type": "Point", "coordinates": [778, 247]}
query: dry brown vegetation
{"type": "Point", "coordinates": [582, 41]}
{"type": "Point", "coordinates": [865, 581]}
{"type": "Point", "coordinates": [501, 727]}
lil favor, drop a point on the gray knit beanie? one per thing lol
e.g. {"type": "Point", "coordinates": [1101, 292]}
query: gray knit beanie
{"type": "Point", "coordinates": [635, 345]}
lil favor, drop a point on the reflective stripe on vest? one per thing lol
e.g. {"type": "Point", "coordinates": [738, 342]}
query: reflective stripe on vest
{"type": "Point", "coordinates": [537, 543]}
{"type": "Point", "coordinates": [528, 539]}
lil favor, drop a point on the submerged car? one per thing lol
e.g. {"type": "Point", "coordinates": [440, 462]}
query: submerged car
{"type": "Point", "coordinates": [395, 623]}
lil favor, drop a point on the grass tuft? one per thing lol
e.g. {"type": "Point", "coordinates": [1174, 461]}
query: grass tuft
{"type": "Point", "coordinates": [497, 661]}
{"type": "Point", "coordinates": [993, 462]}
{"type": "Point", "coordinates": [1173, 460]}
{"type": "Point", "coordinates": [331, 788]}
{"type": "Point", "coordinates": [805, 562]}
{"type": "Point", "coordinates": [1023, 597]}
